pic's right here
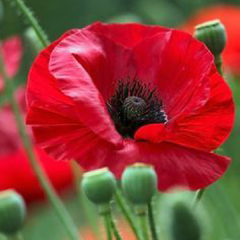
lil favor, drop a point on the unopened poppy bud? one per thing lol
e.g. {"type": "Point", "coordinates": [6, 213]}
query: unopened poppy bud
{"type": "Point", "coordinates": [139, 183]}
{"type": "Point", "coordinates": [184, 224]}
{"type": "Point", "coordinates": [213, 34]}
{"type": "Point", "coordinates": [12, 212]}
{"type": "Point", "coordinates": [99, 187]}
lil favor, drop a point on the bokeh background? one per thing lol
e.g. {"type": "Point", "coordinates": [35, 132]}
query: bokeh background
{"type": "Point", "coordinates": [222, 200]}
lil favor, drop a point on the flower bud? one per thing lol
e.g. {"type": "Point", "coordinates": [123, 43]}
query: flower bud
{"type": "Point", "coordinates": [213, 34]}
{"type": "Point", "coordinates": [99, 187]}
{"type": "Point", "coordinates": [12, 212]}
{"type": "Point", "coordinates": [185, 225]}
{"type": "Point", "coordinates": [139, 183]}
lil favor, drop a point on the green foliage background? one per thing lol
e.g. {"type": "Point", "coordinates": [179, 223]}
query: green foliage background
{"type": "Point", "coordinates": [222, 200]}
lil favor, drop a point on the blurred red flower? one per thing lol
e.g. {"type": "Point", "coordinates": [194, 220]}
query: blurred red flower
{"type": "Point", "coordinates": [11, 49]}
{"type": "Point", "coordinates": [15, 171]}
{"type": "Point", "coordinates": [230, 17]}
{"type": "Point", "coordinates": [111, 95]}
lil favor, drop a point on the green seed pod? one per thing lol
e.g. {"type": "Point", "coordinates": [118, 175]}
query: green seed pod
{"type": "Point", "coordinates": [139, 183]}
{"type": "Point", "coordinates": [134, 107]}
{"type": "Point", "coordinates": [12, 212]}
{"type": "Point", "coordinates": [184, 223]}
{"type": "Point", "coordinates": [99, 187]}
{"type": "Point", "coordinates": [213, 34]}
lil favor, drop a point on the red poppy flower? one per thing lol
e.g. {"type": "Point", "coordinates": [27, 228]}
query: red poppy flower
{"type": "Point", "coordinates": [16, 173]}
{"type": "Point", "coordinates": [229, 16]}
{"type": "Point", "coordinates": [111, 95]}
{"type": "Point", "coordinates": [12, 53]}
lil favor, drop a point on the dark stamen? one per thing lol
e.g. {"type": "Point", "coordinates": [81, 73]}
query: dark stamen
{"type": "Point", "coordinates": [134, 105]}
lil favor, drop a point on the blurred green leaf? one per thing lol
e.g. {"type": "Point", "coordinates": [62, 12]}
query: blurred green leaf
{"type": "Point", "coordinates": [160, 12]}
{"type": "Point", "coordinates": [125, 18]}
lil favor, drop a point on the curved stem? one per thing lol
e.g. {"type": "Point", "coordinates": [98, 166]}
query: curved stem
{"type": "Point", "coordinates": [36, 166]}
{"type": "Point", "coordinates": [126, 212]}
{"type": "Point", "coordinates": [32, 21]}
{"type": "Point", "coordinates": [114, 228]}
{"type": "Point", "coordinates": [107, 223]}
{"type": "Point", "coordinates": [152, 222]}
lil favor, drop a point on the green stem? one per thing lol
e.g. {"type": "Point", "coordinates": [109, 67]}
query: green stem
{"type": "Point", "coordinates": [41, 175]}
{"type": "Point", "coordinates": [143, 225]}
{"type": "Point", "coordinates": [108, 227]}
{"type": "Point", "coordinates": [32, 21]}
{"type": "Point", "coordinates": [114, 228]}
{"type": "Point", "coordinates": [218, 63]}
{"type": "Point", "coordinates": [17, 236]}
{"type": "Point", "coordinates": [152, 221]}
{"type": "Point", "coordinates": [126, 212]}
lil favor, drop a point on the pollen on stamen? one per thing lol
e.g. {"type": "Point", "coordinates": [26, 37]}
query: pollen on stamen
{"type": "Point", "coordinates": [133, 105]}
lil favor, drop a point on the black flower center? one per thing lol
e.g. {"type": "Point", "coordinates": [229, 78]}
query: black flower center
{"type": "Point", "coordinates": [134, 105]}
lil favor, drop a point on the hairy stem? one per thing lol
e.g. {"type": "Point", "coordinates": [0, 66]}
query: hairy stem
{"type": "Point", "coordinates": [28, 14]}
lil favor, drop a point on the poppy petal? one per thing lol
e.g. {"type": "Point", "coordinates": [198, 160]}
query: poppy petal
{"type": "Point", "coordinates": [205, 128]}
{"type": "Point", "coordinates": [177, 65]}
{"type": "Point", "coordinates": [127, 35]}
{"type": "Point", "coordinates": [41, 81]}
{"type": "Point", "coordinates": [70, 65]}
{"type": "Point", "coordinates": [151, 132]}
{"type": "Point", "coordinates": [176, 166]}
{"type": "Point", "coordinates": [95, 58]}
{"type": "Point", "coordinates": [209, 126]}
{"type": "Point", "coordinates": [62, 137]}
